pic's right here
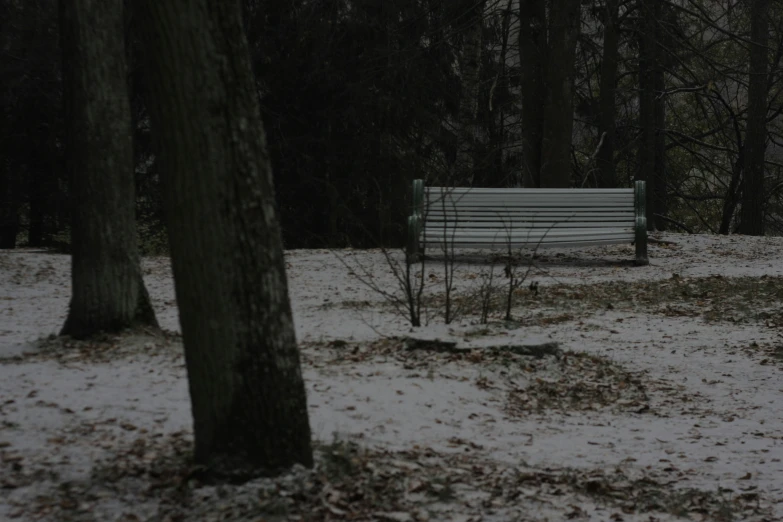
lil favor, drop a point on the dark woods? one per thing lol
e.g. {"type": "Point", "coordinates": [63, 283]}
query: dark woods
{"type": "Point", "coordinates": [360, 97]}
{"type": "Point", "coordinates": [33, 188]}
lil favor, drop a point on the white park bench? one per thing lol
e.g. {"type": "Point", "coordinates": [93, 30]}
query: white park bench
{"type": "Point", "coordinates": [499, 218]}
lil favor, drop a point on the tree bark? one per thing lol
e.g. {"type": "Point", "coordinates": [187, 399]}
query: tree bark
{"type": "Point", "coordinates": [246, 387]}
{"type": "Point", "coordinates": [533, 66]}
{"type": "Point", "coordinates": [108, 289]}
{"type": "Point", "coordinates": [753, 197]}
{"type": "Point", "coordinates": [559, 107]}
{"type": "Point", "coordinates": [607, 127]}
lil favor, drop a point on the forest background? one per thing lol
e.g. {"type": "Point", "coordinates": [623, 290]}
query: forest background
{"type": "Point", "coordinates": [360, 97]}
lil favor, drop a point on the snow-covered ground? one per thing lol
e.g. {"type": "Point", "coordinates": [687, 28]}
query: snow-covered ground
{"type": "Point", "coordinates": [664, 405]}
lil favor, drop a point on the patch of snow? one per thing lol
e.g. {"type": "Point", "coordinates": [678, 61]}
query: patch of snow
{"type": "Point", "coordinates": [715, 417]}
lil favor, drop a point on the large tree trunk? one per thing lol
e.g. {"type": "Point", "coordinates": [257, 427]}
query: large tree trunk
{"type": "Point", "coordinates": [659, 187]}
{"type": "Point", "coordinates": [533, 65]}
{"type": "Point", "coordinates": [9, 206]}
{"type": "Point", "coordinates": [9, 184]}
{"type": "Point", "coordinates": [43, 171]}
{"type": "Point", "coordinates": [646, 155]}
{"type": "Point", "coordinates": [607, 127]}
{"type": "Point", "coordinates": [246, 388]}
{"type": "Point", "coordinates": [660, 194]}
{"type": "Point", "coordinates": [470, 69]}
{"type": "Point", "coordinates": [753, 200]}
{"type": "Point", "coordinates": [559, 107]}
{"type": "Point", "coordinates": [108, 290]}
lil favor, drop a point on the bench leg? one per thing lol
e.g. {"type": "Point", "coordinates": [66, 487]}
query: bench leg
{"type": "Point", "coordinates": [412, 250]}
{"type": "Point", "coordinates": [640, 205]}
{"type": "Point", "coordinates": [641, 244]}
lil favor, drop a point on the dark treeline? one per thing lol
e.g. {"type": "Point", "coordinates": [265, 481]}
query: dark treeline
{"type": "Point", "coordinates": [360, 97]}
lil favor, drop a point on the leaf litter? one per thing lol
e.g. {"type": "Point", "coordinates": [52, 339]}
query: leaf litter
{"type": "Point", "coordinates": [351, 482]}
{"type": "Point", "coordinates": [611, 428]}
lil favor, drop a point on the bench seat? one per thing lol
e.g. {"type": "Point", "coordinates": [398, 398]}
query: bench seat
{"type": "Point", "coordinates": [503, 218]}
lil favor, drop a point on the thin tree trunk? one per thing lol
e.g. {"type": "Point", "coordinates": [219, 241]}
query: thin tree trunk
{"type": "Point", "coordinates": [559, 106]}
{"type": "Point", "coordinates": [493, 172]}
{"type": "Point", "coordinates": [498, 176]}
{"type": "Point", "coordinates": [607, 176]}
{"type": "Point", "coordinates": [37, 202]}
{"type": "Point", "coordinates": [753, 200]}
{"type": "Point", "coordinates": [533, 66]}
{"type": "Point", "coordinates": [246, 388]}
{"type": "Point", "coordinates": [108, 290]}
{"type": "Point", "coordinates": [468, 106]}
{"type": "Point", "coordinates": [732, 195]}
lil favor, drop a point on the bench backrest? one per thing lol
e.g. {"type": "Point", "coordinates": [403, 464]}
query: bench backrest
{"type": "Point", "coordinates": [556, 208]}
{"type": "Point", "coordinates": [517, 216]}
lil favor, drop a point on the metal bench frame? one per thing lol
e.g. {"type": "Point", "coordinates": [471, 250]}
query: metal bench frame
{"type": "Point", "coordinates": [524, 217]}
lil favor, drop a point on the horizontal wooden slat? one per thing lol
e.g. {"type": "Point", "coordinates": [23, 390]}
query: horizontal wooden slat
{"type": "Point", "coordinates": [529, 197]}
{"type": "Point", "coordinates": [531, 244]}
{"type": "Point", "coordinates": [559, 244]}
{"type": "Point", "coordinates": [527, 193]}
{"type": "Point", "coordinates": [489, 225]}
{"type": "Point", "coordinates": [508, 203]}
{"type": "Point", "coordinates": [529, 215]}
{"type": "Point", "coordinates": [471, 190]}
{"type": "Point", "coordinates": [523, 195]}
{"type": "Point", "coordinates": [499, 242]}
{"type": "Point", "coordinates": [497, 218]}
{"type": "Point", "coordinates": [502, 225]}
{"type": "Point", "coordinates": [533, 193]}
{"type": "Point", "coordinates": [524, 232]}
{"type": "Point", "coordinates": [509, 200]}
{"type": "Point", "coordinates": [531, 209]}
